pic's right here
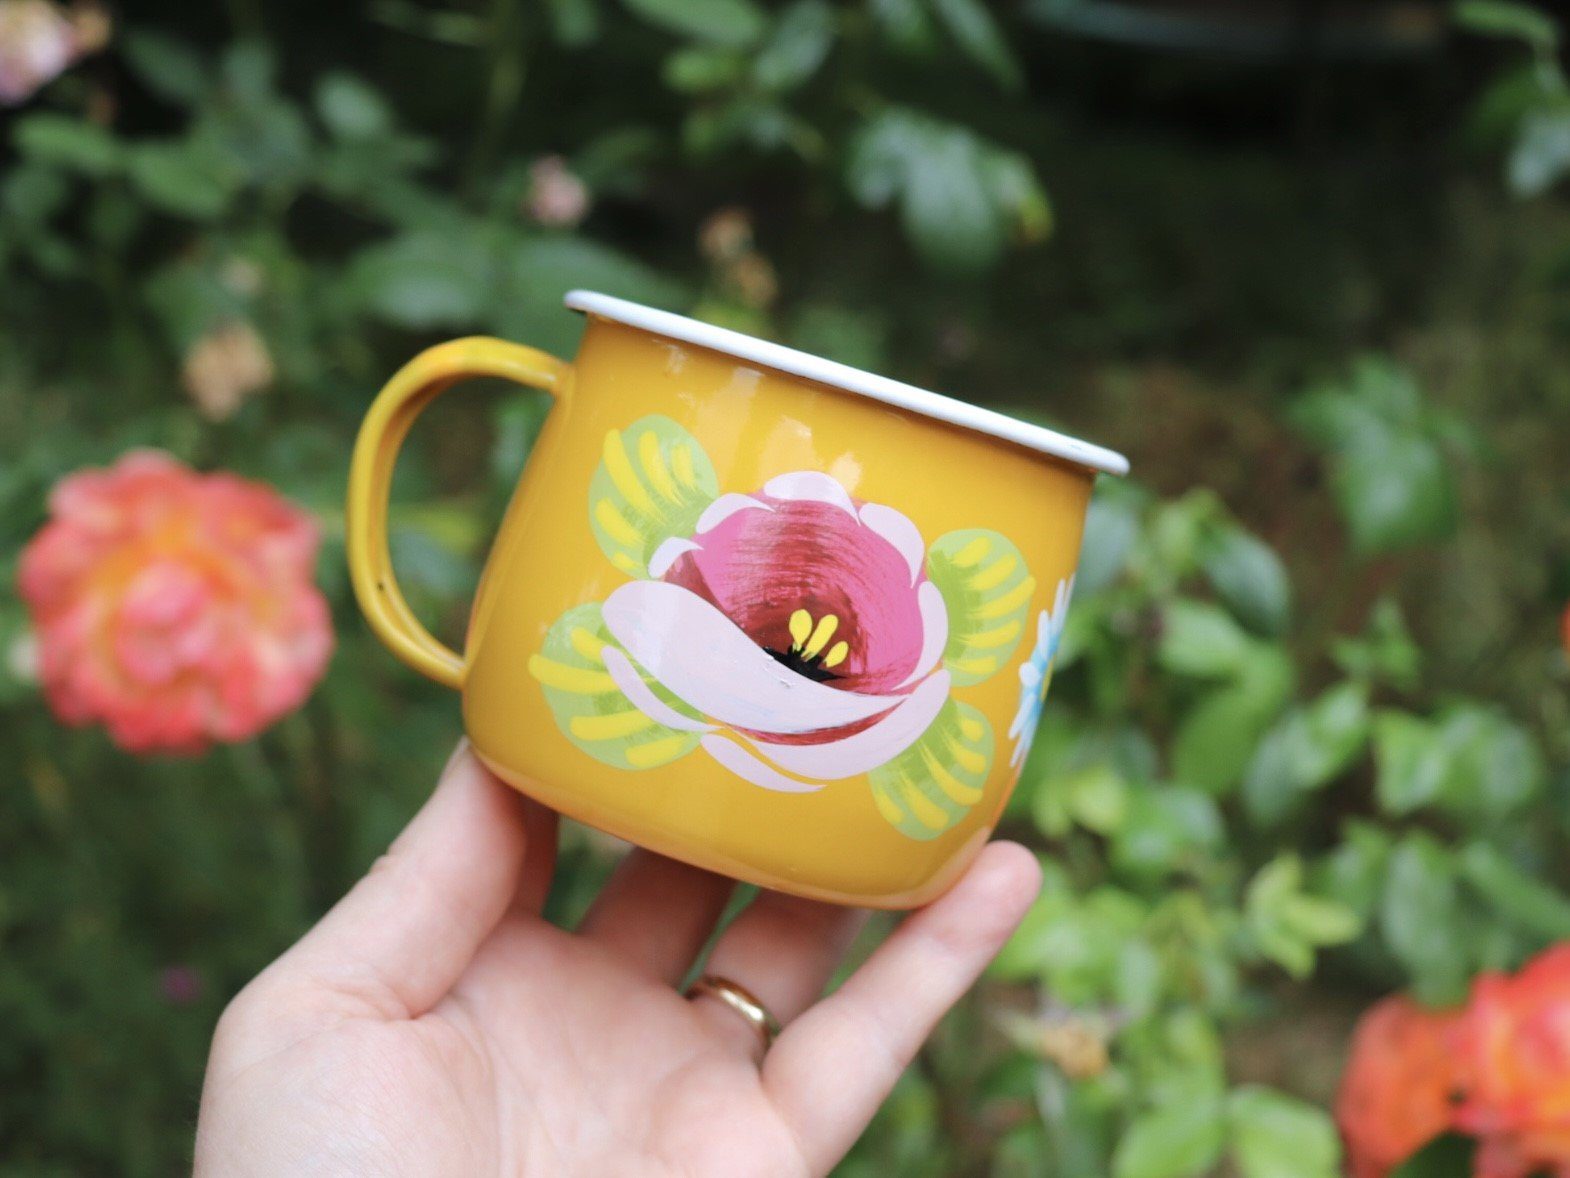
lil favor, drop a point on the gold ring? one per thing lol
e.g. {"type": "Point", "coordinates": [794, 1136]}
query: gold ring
{"type": "Point", "coordinates": [743, 1001]}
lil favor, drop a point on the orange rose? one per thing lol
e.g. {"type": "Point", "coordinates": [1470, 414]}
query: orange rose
{"type": "Point", "coordinates": [176, 608]}
{"type": "Point", "coordinates": [1400, 1085]}
{"type": "Point", "coordinates": [1515, 1043]}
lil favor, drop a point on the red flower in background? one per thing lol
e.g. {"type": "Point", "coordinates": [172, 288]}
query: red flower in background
{"type": "Point", "coordinates": [1400, 1087]}
{"type": "Point", "coordinates": [176, 608]}
{"type": "Point", "coordinates": [1514, 1041]}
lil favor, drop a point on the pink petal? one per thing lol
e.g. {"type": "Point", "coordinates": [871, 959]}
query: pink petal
{"type": "Point", "coordinates": [746, 766]}
{"type": "Point", "coordinates": [870, 747]}
{"type": "Point", "coordinates": [705, 659]}
{"type": "Point", "coordinates": [896, 528]}
{"type": "Point", "coordinates": [811, 485]}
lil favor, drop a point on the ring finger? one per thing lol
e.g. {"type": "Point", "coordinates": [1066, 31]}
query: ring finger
{"type": "Point", "coordinates": [784, 950]}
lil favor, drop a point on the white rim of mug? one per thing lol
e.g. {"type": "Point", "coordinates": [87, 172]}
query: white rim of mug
{"type": "Point", "coordinates": [851, 380]}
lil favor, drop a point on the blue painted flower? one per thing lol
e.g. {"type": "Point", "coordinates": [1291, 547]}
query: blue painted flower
{"type": "Point", "coordinates": [1035, 673]}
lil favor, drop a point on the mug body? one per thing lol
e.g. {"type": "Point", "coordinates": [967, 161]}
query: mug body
{"type": "Point", "coordinates": [767, 625]}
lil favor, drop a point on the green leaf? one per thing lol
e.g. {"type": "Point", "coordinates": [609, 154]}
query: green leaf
{"type": "Point", "coordinates": [1202, 640]}
{"type": "Point", "coordinates": [1392, 479]}
{"type": "Point", "coordinates": [1384, 652]}
{"type": "Point", "coordinates": [1411, 762]}
{"type": "Point", "coordinates": [1522, 898]}
{"type": "Point", "coordinates": [1506, 18]}
{"type": "Point", "coordinates": [428, 278]}
{"type": "Point", "coordinates": [977, 34]}
{"type": "Point", "coordinates": [1495, 765]}
{"type": "Point", "coordinates": [537, 271]}
{"type": "Point", "coordinates": [169, 67]}
{"type": "Point", "coordinates": [1540, 156]}
{"type": "Point", "coordinates": [183, 178]}
{"type": "Point", "coordinates": [1447, 1156]}
{"type": "Point", "coordinates": [1305, 750]}
{"type": "Point", "coordinates": [935, 782]}
{"type": "Point", "coordinates": [67, 142]}
{"type": "Point", "coordinates": [1278, 1136]}
{"type": "Point", "coordinates": [1218, 738]}
{"type": "Point", "coordinates": [1249, 578]}
{"type": "Point", "coordinates": [590, 709]}
{"type": "Point", "coordinates": [1098, 798]}
{"type": "Point", "coordinates": [1175, 1142]}
{"type": "Point", "coordinates": [987, 590]}
{"type": "Point", "coordinates": [1420, 918]}
{"type": "Point", "coordinates": [575, 23]}
{"type": "Point", "coordinates": [960, 198]}
{"type": "Point", "coordinates": [652, 483]}
{"type": "Point", "coordinates": [1288, 925]}
{"type": "Point", "coordinates": [1166, 830]}
{"type": "Point", "coordinates": [800, 40]}
{"type": "Point", "coordinates": [351, 108]}
{"type": "Point", "coordinates": [737, 23]}
{"type": "Point", "coordinates": [698, 69]}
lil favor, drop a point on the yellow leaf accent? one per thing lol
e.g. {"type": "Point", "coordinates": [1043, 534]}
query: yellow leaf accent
{"type": "Point", "coordinates": [619, 467]}
{"type": "Point", "coordinates": [587, 645]}
{"type": "Point", "coordinates": [615, 523]}
{"type": "Point", "coordinates": [991, 639]}
{"type": "Point", "coordinates": [971, 729]}
{"type": "Point", "coordinates": [611, 727]}
{"type": "Point", "coordinates": [994, 574]}
{"type": "Point", "coordinates": [656, 751]}
{"type": "Point", "coordinates": [972, 553]}
{"type": "Point", "coordinates": [1001, 607]}
{"type": "Point", "coordinates": [654, 465]}
{"type": "Point", "coordinates": [981, 666]}
{"type": "Point", "coordinates": [960, 793]}
{"type": "Point", "coordinates": [573, 679]}
{"type": "Point", "coordinates": [967, 759]}
{"type": "Point", "coordinates": [681, 459]}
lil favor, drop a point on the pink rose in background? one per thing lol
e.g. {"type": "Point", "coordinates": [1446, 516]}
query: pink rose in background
{"type": "Point", "coordinates": [1515, 1043]}
{"type": "Point", "coordinates": [1400, 1085]}
{"type": "Point", "coordinates": [39, 40]}
{"type": "Point", "coordinates": [175, 608]}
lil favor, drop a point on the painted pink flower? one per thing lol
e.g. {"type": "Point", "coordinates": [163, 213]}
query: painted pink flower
{"type": "Point", "coordinates": [799, 623]}
{"type": "Point", "coordinates": [176, 608]}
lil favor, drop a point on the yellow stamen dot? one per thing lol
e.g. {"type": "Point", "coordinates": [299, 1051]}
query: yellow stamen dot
{"type": "Point", "coordinates": [827, 624]}
{"type": "Point", "coordinates": [836, 654]}
{"type": "Point", "coordinates": [800, 626]}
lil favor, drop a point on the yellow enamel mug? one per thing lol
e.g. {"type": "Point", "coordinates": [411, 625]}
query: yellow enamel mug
{"type": "Point", "coordinates": [751, 609]}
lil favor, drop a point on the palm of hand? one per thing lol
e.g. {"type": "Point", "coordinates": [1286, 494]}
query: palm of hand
{"type": "Point", "coordinates": [434, 1023]}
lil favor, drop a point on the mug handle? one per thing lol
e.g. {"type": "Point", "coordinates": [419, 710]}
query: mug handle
{"type": "Point", "coordinates": [415, 386]}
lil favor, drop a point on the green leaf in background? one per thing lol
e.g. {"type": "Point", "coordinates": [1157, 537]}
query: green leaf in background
{"type": "Point", "coordinates": [1202, 640]}
{"type": "Point", "coordinates": [1506, 18]}
{"type": "Point", "coordinates": [166, 65]}
{"type": "Point", "coordinates": [1278, 1136]}
{"type": "Point", "coordinates": [1384, 652]}
{"type": "Point", "coordinates": [1516, 894]}
{"type": "Point", "coordinates": [1448, 1156]}
{"type": "Point", "coordinates": [1111, 531]}
{"type": "Point", "coordinates": [960, 197]}
{"type": "Point", "coordinates": [1218, 738]}
{"type": "Point", "coordinates": [1421, 919]}
{"type": "Point", "coordinates": [1389, 468]}
{"type": "Point", "coordinates": [1249, 577]}
{"type": "Point", "coordinates": [1287, 924]}
{"type": "Point", "coordinates": [1306, 749]}
{"type": "Point", "coordinates": [184, 178]}
{"type": "Point", "coordinates": [1179, 1141]}
{"type": "Point", "coordinates": [976, 32]}
{"type": "Point", "coordinates": [1166, 829]}
{"type": "Point", "coordinates": [1354, 872]}
{"type": "Point", "coordinates": [536, 272]}
{"type": "Point", "coordinates": [429, 278]}
{"type": "Point", "coordinates": [801, 38]}
{"type": "Point", "coordinates": [575, 23]}
{"type": "Point", "coordinates": [67, 142]}
{"type": "Point", "coordinates": [351, 108]}
{"type": "Point", "coordinates": [724, 22]}
{"type": "Point", "coordinates": [1411, 761]}
{"type": "Point", "coordinates": [1540, 156]}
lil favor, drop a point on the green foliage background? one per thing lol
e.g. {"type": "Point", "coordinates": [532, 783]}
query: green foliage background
{"type": "Point", "coordinates": [1308, 738]}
